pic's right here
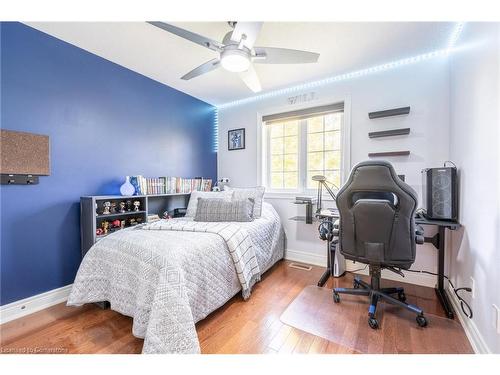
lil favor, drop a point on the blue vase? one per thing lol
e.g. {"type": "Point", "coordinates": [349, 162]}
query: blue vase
{"type": "Point", "coordinates": [127, 188]}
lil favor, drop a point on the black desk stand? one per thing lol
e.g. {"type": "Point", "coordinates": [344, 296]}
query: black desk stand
{"type": "Point", "coordinates": [332, 216]}
{"type": "Point", "coordinates": [439, 242]}
{"type": "Point", "coordinates": [329, 268]}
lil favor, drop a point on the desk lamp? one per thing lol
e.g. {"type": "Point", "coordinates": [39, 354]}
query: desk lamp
{"type": "Point", "coordinates": [322, 181]}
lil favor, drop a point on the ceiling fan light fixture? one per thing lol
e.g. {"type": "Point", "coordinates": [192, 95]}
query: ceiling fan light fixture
{"type": "Point", "coordinates": [235, 60]}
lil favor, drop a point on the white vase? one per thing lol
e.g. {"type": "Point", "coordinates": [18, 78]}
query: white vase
{"type": "Point", "coordinates": [127, 188]}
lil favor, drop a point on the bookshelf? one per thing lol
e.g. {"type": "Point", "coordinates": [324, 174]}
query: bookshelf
{"type": "Point", "coordinates": [92, 217]}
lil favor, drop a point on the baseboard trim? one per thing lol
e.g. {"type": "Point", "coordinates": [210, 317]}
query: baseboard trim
{"type": "Point", "coordinates": [305, 257]}
{"type": "Point", "coordinates": [30, 305]}
{"type": "Point", "coordinates": [472, 332]}
{"type": "Point", "coordinates": [421, 279]}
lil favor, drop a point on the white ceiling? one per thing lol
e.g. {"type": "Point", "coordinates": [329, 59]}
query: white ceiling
{"type": "Point", "coordinates": [164, 57]}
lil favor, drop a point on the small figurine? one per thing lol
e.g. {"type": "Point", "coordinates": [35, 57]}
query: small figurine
{"type": "Point", "coordinates": [166, 215]}
{"type": "Point", "coordinates": [136, 205]}
{"type": "Point", "coordinates": [132, 222]}
{"type": "Point", "coordinates": [122, 207]}
{"type": "Point", "coordinates": [113, 208]}
{"type": "Point", "coordinates": [122, 224]}
{"type": "Point", "coordinates": [106, 206]}
{"type": "Point", "coordinates": [129, 206]}
{"type": "Point", "coordinates": [105, 227]}
{"type": "Point", "coordinates": [116, 223]}
{"type": "Point", "coordinates": [99, 231]}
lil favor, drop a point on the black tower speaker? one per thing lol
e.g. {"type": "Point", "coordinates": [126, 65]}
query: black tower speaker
{"type": "Point", "coordinates": [440, 193]}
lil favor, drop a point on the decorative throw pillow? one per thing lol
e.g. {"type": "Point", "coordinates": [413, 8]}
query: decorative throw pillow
{"type": "Point", "coordinates": [193, 199]}
{"type": "Point", "coordinates": [221, 210]}
{"type": "Point", "coordinates": [256, 193]}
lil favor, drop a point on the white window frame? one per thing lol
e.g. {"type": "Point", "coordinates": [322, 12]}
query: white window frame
{"type": "Point", "coordinates": [263, 159]}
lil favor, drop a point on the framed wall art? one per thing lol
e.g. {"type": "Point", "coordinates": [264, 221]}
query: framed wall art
{"type": "Point", "coordinates": [236, 139]}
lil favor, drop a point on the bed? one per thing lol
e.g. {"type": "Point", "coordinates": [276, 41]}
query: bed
{"type": "Point", "coordinates": [171, 274]}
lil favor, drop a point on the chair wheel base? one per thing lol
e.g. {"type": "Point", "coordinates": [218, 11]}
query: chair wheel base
{"type": "Point", "coordinates": [336, 297]}
{"type": "Point", "coordinates": [402, 297]}
{"type": "Point", "coordinates": [373, 323]}
{"type": "Point", "coordinates": [421, 321]}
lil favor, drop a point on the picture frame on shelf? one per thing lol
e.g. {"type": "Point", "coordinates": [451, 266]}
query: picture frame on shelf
{"type": "Point", "coordinates": [236, 139]}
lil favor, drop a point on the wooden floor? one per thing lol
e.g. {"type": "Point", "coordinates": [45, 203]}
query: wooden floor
{"type": "Point", "coordinates": [253, 326]}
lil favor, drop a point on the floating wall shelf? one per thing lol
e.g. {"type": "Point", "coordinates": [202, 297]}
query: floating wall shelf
{"type": "Point", "coordinates": [390, 153]}
{"type": "Point", "coordinates": [389, 112]}
{"type": "Point", "coordinates": [389, 133]}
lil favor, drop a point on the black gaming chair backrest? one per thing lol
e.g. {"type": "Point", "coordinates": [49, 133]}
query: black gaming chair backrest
{"type": "Point", "coordinates": [377, 209]}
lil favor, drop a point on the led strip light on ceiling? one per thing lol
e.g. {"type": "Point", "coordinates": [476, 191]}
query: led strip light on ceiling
{"type": "Point", "coordinates": [457, 31]}
{"type": "Point", "coordinates": [455, 35]}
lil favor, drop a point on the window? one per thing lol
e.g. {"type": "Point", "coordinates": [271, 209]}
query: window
{"type": "Point", "coordinates": [301, 144]}
{"type": "Point", "coordinates": [324, 148]}
{"type": "Point", "coordinates": [284, 155]}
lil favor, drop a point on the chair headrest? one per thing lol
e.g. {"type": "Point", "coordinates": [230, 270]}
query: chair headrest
{"type": "Point", "coordinates": [376, 179]}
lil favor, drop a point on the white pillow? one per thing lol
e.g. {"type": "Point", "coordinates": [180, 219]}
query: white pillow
{"type": "Point", "coordinates": [193, 199]}
{"type": "Point", "coordinates": [256, 193]}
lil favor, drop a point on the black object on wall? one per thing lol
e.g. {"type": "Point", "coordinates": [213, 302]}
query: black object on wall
{"type": "Point", "coordinates": [389, 153]}
{"type": "Point", "coordinates": [389, 112]}
{"type": "Point", "coordinates": [440, 193]}
{"type": "Point", "coordinates": [389, 133]}
{"type": "Point", "coordinates": [18, 179]}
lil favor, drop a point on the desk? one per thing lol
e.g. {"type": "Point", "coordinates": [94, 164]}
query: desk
{"type": "Point", "coordinates": [439, 242]}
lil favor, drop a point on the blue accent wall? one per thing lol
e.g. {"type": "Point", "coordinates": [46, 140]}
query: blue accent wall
{"type": "Point", "coordinates": [104, 122]}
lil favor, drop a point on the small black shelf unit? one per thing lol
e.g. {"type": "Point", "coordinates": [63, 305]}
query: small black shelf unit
{"type": "Point", "coordinates": [91, 216]}
{"type": "Point", "coordinates": [389, 112]}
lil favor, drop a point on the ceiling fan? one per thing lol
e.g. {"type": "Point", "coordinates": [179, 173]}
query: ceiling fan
{"type": "Point", "coordinates": [237, 52]}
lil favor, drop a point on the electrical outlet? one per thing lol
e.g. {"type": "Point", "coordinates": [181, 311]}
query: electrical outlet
{"type": "Point", "coordinates": [496, 318]}
{"type": "Point", "coordinates": [473, 287]}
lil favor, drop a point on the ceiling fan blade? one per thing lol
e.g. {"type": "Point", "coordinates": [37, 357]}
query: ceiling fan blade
{"type": "Point", "coordinates": [250, 31]}
{"type": "Point", "coordinates": [251, 79]}
{"type": "Point", "coordinates": [193, 37]}
{"type": "Point", "coordinates": [202, 69]}
{"type": "Point", "coordinates": [271, 55]}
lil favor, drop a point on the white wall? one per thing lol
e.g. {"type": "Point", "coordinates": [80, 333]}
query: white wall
{"type": "Point", "coordinates": [475, 121]}
{"type": "Point", "coordinates": [423, 86]}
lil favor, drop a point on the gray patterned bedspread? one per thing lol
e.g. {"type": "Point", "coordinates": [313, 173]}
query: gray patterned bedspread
{"type": "Point", "coordinates": [167, 280]}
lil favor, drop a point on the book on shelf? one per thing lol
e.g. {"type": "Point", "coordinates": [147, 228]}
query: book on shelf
{"type": "Point", "coordinates": [169, 185]}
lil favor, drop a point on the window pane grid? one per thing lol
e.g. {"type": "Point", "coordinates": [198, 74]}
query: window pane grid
{"type": "Point", "coordinates": [321, 151]}
{"type": "Point", "coordinates": [284, 155]}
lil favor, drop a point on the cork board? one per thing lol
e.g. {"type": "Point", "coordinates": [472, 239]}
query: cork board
{"type": "Point", "coordinates": [24, 153]}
